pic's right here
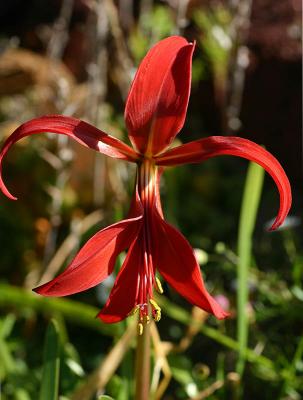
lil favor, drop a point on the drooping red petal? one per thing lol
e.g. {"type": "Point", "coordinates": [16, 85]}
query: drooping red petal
{"type": "Point", "coordinates": [213, 146]}
{"type": "Point", "coordinates": [95, 261]}
{"type": "Point", "coordinates": [81, 131]}
{"type": "Point", "coordinates": [157, 102]}
{"type": "Point", "coordinates": [123, 297]}
{"type": "Point", "coordinates": [175, 260]}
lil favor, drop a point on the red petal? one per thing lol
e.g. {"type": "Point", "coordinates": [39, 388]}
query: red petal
{"type": "Point", "coordinates": [95, 261]}
{"type": "Point", "coordinates": [176, 262]}
{"type": "Point", "coordinates": [213, 146]}
{"type": "Point", "coordinates": [123, 297]}
{"type": "Point", "coordinates": [81, 131]}
{"type": "Point", "coordinates": [157, 102]}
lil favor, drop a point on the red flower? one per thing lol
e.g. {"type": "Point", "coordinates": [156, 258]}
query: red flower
{"type": "Point", "coordinates": [155, 112]}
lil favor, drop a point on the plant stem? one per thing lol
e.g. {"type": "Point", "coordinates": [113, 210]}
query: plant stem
{"type": "Point", "coordinates": [143, 364]}
{"type": "Point", "coordinates": [249, 208]}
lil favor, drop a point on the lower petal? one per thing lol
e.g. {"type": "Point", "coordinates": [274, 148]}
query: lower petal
{"type": "Point", "coordinates": [176, 262]}
{"type": "Point", "coordinates": [123, 297]}
{"type": "Point", "coordinates": [95, 261]}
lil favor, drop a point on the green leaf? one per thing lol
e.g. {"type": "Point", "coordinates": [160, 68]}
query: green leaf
{"type": "Point", "coordinates": [7, 363]}
{"type": "Point", "coordinates": [74, 311]}
{"type": "Point", "coordinates": [249, 208]}
{"type": "Point", "coordinates": [51, 364]}
{"type": "Point", "coordinates": [6, 325]}
{"type": "Point", "coordinates": [180, 368]}
{"type": "Point", "coordinates": [21, 394]}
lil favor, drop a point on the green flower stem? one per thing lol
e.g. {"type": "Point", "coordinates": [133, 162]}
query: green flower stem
{"type": "Point", "coordinates": [143, 364]}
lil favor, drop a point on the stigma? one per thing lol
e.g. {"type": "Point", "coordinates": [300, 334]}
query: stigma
{"type": "Point", "coordinates": [144, 311]}
{"type": "Point", "coordinates": [146, 307]}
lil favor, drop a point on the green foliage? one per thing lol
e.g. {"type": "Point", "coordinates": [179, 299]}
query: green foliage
{"type": "Point", "coordinates": [51, 363]}
{"type": "Point", "coordinates": [248, 215]}
{"type": "Point", "coordinates": [215, 39]}
{"type": "Point", "coordinates": [152, 28]}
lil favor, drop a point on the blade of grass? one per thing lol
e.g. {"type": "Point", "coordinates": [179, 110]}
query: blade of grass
{"type": "Point", "coordinates": [249, 207]}
{"type": "Point", "coordinates": [51, 363]}
{"type": "Point", "coordinates": [7, 364]}
{"type": "Point", "coordinates": [74, 311]}
{"type": "Point", "coordinates": [78, 313]}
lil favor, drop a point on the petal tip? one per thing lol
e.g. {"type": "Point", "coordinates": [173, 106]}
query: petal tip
{"type": "Point", "coordinates": [275, 226]}
{"type": "Point", "coordinates": [38, 290]}
{"type": "Point", "coordinates": [6, 192]}
{"type": "Point", "coordinates": [46, 290]}
{"type": "Point", "coordinates": [222, 315]}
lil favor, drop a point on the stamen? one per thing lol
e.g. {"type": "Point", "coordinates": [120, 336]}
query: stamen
{"type": "Point", "coordinates": [157, 315]}
{"type": "Point", "coordinates": [140, 329]}
{"type": "Point", "coordinates": [156, 310]}
{"type": "Point", "coordinates": [158, 285]}
{"type": "Point", "coordinates": [134, 310]}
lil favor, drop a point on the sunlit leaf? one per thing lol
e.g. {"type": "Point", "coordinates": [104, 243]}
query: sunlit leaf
{"type": "Point", "coordinates": [51, 364]}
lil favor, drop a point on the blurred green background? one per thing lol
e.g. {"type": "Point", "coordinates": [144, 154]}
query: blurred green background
{"type": "Point", "coordinates": [78, 57]}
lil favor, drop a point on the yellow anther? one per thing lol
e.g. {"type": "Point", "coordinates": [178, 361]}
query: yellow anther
{"type": "Point", "coordinates": [147, 319]}
{"type": "Point", "coordinates": [140, 328]}
{"type": "Point", "coordinates": [156, 310]}
{"type": "Point", "coordinates": [158, 286]}
{"type": "Point", "coordinates": [134, 310]}
{"type": "Point", "coordinates": [154, 304]}
{"type": "Point", "coordinates": [157, 315]}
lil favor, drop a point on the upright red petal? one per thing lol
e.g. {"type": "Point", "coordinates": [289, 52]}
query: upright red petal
{"type": "Point", "coordinates": [213, 146]}
{"type": "Point", "coordinates": [123, 297]}
{"type": "Point", "coordinates": [157, 102]}
{"type": "Point", "coordinates": [175, 260]}
{"type": "Point", "coordinates": [81, 131]}
{"type": "Point", "coordinates": [96, 260]}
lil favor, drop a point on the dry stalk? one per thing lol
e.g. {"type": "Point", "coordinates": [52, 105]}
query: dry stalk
{"type": "Point", "coordinates": [208, 391]}
{"type": "Point", "coordinates": [69, 245]}
{"type": "Point", "coordinates": [198, 318]}
{"type": "Point", "coordinates": [181, 20]}
{"type": "Point", "coordinates": [55, 49]}
{"type": "Point", "coordinates": [238, 62]}
{"type": "Point", "coordinates": [162, 349]}
{"type": "Point", "coordinates": [59, 37]}
{"type": "Point", "coordinates": [161, 364]}
{"type": "Point", "coordinates": [124, 63]}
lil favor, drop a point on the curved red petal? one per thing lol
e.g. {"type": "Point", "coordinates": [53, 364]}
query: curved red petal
{"type": "Point", "coordinates": [123, 297]}
{"type": "Point", "coordinates": [81, 131]}
{"type": "Point", "coordinates": [213, 146]}
{"type": "Point", "coordinates": [157, 102]}
{"type": "Point", "coordinates": [95, 261]}
{"type": "Point", "coordinates": [176, 262]}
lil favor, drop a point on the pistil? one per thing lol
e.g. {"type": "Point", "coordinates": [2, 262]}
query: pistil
{"type": "Point", "coordinates": [146, 306]}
